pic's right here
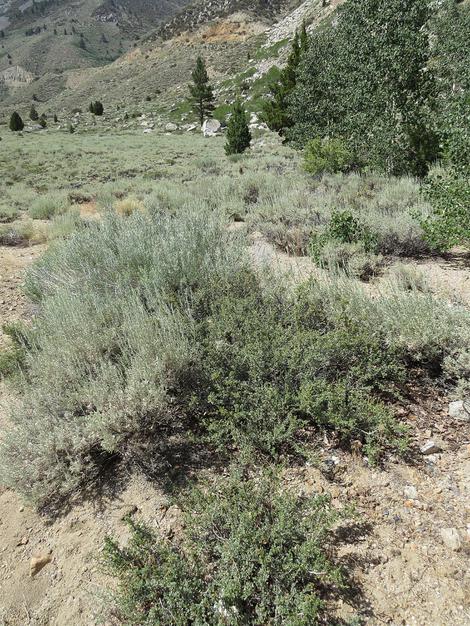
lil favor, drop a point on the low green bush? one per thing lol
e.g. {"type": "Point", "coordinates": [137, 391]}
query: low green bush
{"type": "Point", "coordinates": [346, 244]}
{"type": "Point", "coordinates": [323, 156]}
{"type": "Point", "coordinates": [250, 553]}
{"type": "Point", "coordinates": [272, 368]}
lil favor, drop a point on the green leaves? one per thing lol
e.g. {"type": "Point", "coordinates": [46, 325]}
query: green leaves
{"type": "Point", "coordinates": [251, 552]}
{"type": "Point", "coordinates": [366, 79]}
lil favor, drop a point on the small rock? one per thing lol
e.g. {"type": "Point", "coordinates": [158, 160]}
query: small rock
{"type": "Point", "coordinates": [451, 538]}
{"type": "Point", "coordinates": [410, 492]}
{"type": "Point", "coordinates": [38, 563]}
{"type": "Point", "coordinates": [460, 410]}
{"type": "Point", "coordinates": [430, 447]}
{"type": "Point", "coordinates": [23, 541]}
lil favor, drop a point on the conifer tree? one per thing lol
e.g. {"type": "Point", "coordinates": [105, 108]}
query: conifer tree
{"type": "Point", "coordinates": [201, 94]}
{"type": "Point", "coordinates": [275, 109]}
{"type": "Point", "coordinates": [16, 123]}
{"type": "Point", "coordinates": [33, 114]}
{"type": "Point", "coordinates": [238, 133]}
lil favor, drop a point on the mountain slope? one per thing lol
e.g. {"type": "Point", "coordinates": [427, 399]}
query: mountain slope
{"type": "Point", "coordinates": [57, 35]}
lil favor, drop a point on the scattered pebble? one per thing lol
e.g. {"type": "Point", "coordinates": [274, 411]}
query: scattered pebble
{"type": "Point", "coordinates": [38, 563]}
{"type": "Point", "coordinates": [430, 447]}
{"type": "Point", "coordinates": [460, 410]}
{"type": "Point", "coordinates": [451, 538]}
{"type": "Point", "coordinates": [410, 492]}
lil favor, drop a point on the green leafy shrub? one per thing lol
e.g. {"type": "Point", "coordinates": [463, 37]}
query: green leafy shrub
{"type": "Point", "coordinates": [261, 353]}
{"type": "Point", "coordinates": [352, 238]}
{"type": "Point", "coordinates": [327, 156]}
{"type": "Point", "coordinates": [449, 224]}
{"type": "Point", "coordinates": [251, 553]}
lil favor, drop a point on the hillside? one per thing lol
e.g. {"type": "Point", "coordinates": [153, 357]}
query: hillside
{"type": "Point", "coordinates": [243, 44]}
{"type": "Point", "coordinates": [56, 35]}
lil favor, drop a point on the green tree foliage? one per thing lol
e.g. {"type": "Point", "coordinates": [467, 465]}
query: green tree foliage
{"type": "Point", "coordinates": [327, 156]}
{"type": "Point", "coordinates": [201, 94]}
{"type": "Point", "coordinates": [33, 114]}
{"type": "Point", "coordinates": [96, 108]}
{"type": "Point", "coordinates": [365, 78]}
{"type": "Point", "coordinates": [449, 190]}
{"type": "Point", "coordinates": [251, 553]}
{"type": "Point", "coordinates": [16, 123]}
{"type": "Point", "coordinates": [238, 133]}
{"type": "Point", "coordinates": [275, 109]}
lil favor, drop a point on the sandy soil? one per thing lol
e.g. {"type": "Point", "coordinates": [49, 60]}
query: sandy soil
{"type": "Point", "coordinates": [403, 571]}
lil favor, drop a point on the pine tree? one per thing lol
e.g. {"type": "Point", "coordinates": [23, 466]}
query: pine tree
{"type": "Point", "coordinates": [56, 119]}
{"type": "Point", "coordinates": [16, 123]}
{"type": "Point", "coordinates": [97, 108]}
{"type": "Point", "coordinates": [33, 114]}
{"type": "Point", "coordinates": [275, 109]}
{"type": "Point", "coordinates": [238, 133]}
{"type": "Point", "coordinates": [201, 94]}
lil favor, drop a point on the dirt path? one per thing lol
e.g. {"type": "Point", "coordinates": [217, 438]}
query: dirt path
{"type": "Point", "coordinates": [13, 305]}
{"type": "Point", "coordinates": [406, 566]}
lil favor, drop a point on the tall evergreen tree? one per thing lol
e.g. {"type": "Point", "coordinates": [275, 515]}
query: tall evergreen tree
{"type": "Point", "coordinates": [33, 114]}
{"type": "Point", "coordinates": [201, 94]}
{"type": "Point", "coordinates": [238, 132]}
{"type": "Point", "coordinates": [275, 109]}
{"type": "Point", "coordinates": [16, 123]}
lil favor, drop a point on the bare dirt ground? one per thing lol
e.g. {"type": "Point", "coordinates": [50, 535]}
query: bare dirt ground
{"type": "Point", "coordinates": [406, 566]}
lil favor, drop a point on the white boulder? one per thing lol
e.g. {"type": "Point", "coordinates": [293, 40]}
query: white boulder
{"type": "Point", "coordinates": [211, 127]}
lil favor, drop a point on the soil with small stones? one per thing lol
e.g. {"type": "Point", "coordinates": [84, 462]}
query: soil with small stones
{"type": "Point", "coordinates": [401, 571]}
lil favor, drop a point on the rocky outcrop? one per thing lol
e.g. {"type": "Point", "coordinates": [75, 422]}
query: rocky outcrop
{"type": "Point", "coordinates": [204, 11]}
{"type": "Point", "coordinates": [16, 77]}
